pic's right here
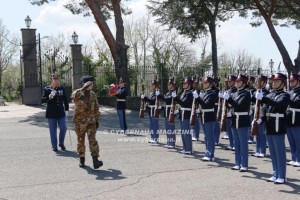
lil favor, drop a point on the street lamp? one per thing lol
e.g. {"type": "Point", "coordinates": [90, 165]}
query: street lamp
{"type": "Point", "coordinates": [75, 38]}
{"type": "Point", "coordinates": [271, 64]}
{"type": "Point", "coordinates": [28, 21]}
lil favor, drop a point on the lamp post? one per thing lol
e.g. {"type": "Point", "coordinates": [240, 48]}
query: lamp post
{"type": "Point", "coordinates": [28, 21]}
{"type": "Point", "coordinates": [271, 64]}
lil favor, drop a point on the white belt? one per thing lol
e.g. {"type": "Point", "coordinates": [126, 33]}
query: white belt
{"type": "Point", "coordinates": [151, 107]}
{"type": "Point", "coordinates": [238, 114]}
{"type": "Point", "coordinates": [294, 110]}
{"type": "Point", "coordinates": [168, 106]}
{"type": "Point", "coordinates": [121, 100]}
{"type": "Point", "coordinates": [276, 115]}
{"type": "Point", "coordinates": [206, 110]}
{"type": "Point", "coordinates": [182, 113]}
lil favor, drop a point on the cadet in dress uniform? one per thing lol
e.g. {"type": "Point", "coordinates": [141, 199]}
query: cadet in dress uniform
{"type": "Point", "coordinates": [217, 130]}
{"type": "Point", "coordinates": [185, 101]}
{"type": "Point", "coordinates": [240, 102]}
{"type": "Point", "coordinates": [153, 122]}
{"type": "Point", "coordinates": [57, 104]}
{"type": "Point", "coordinates": [293, 120]}
{"type": "Point", "coordinates": [86, 119]}
{"type": "Point", "coordinates": [196, 129]}
{"type": "Point", "coordinates": [207, 102]}
{"type": "Point", "coordinates": [278, 101]}
{"type": "Point", "coordinates": [170, 128]}
{"type": "Point", "coordinates": [232, 89]}
{"type": "Point", "coordinates": [121, 105]}
{"type": "Point", "coordinates": [261, 140]}
{"type": "Point", "coordinates": [251, 89]}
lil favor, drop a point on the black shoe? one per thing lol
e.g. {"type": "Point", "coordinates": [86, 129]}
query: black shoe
{"type": "Point", "coordinates": [81, 163]}
{"type": "Point", "coordinates": [63, 148]}
{"type": "Point", "coordinates": [97, 163]}
{"type": "Point", "coordinates": [55, 149]}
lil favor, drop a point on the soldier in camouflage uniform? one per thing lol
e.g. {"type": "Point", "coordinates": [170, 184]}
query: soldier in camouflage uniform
{"type": "Point", "coordinates": [86, 119]}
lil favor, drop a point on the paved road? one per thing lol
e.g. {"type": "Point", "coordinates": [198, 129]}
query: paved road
{"type": "Point", "coordinates": [133, 169]}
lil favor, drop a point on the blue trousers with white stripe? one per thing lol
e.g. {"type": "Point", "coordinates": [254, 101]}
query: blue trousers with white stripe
{"type": "Point", "coordinates": [293, 134]}
{"type": "Point", "coordinates": [186, 135]}
{"type": "Point", "coordinates": [278, 154]}
{"type": "Point", "coordinates": [208, 128]}
{"type": "Point", "coordinates": [171, 135]}
{"type": "Point", "coordinates": [196, 128]}
{"type": "Point", "coordinates": [122, 119]}
{"type": "Point", "coordinates": [261, 139]}
{"type": "Point", "coordinates": [153, 128]}
{"type": "Point", "coordinates": [241, 136]}
{"type": "Point", "coordinates": [217, 132]}
{"type": "Point", "coordinates": [229, 131]}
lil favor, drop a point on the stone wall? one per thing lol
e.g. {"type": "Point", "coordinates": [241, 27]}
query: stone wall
{"type": "Point", "coordinates": [133, 103]}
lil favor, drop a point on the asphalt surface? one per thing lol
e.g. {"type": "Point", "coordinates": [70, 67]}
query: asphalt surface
{"type": "Point", "coordinates": [133, 168]}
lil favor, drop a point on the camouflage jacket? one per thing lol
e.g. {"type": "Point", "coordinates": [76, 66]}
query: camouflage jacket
{"type": "Point", "coordinates": [86, 107]}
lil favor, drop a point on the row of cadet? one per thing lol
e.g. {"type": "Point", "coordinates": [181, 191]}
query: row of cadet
{"type": "Point", "coordinates": [277, 113]}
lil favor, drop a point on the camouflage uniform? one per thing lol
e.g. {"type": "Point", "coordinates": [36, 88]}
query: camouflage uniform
{"type": "Point", "coordinates": [86, 119]}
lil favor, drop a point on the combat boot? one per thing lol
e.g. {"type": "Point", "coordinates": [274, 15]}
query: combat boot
{"type": "Point", "coordinates": [82, 160]}
{"type": "Point", "coordinates": [97, 163]}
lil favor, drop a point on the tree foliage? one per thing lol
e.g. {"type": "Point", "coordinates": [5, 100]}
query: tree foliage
{"type": "Point", "coordinates": [282, 13]}
{"type": "Point", "coordinates": [193, 18]}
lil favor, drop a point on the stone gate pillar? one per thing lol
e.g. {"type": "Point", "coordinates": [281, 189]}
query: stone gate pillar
{"type": "Point", "coordinates": [31, 87]}
{"type": "Point", "coordinates": [77, 65]}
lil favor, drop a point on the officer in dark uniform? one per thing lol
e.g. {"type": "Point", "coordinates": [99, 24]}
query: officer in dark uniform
{"type": "Point", "coordinates": [207, 102]}
{"type": "Point", "coordinates": [278, 101]}
{"type": "Point", "coordinates": [251, 89]}
{"type": "Point", "coordinates": [293, 120]}
{"type": "Point", "coordinates": [232, 89]}
{"type": "Point", "coordinates": [57, 106]}
{"type": "Point", "coordinates": [261, 139]}
{"type": "Point", "coordinates": [240, 102]}
{"type": "Point", "coordinates": [170, 128]}
{"type": "Point", "coordinates": [121, 105]}
{"type": "Point", "coordinates": [185, 101]}
{"type": "Point", "coordinates": [153, 122]}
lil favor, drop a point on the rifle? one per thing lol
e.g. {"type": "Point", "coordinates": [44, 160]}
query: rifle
{"type": "Point", "coordinates": [172, 112]}
{"type": "Point", "coordinates": [220, 103]}
{"type": "Point", "coordinates": [254, 128]}
{"type": "Point", "coordinates": [224, 109]}
{"type": "Point", "coordinates": [142, 108]}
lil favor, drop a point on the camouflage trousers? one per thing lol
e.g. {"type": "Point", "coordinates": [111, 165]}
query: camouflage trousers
{"type": "Point", "coordinates": [90, 130]}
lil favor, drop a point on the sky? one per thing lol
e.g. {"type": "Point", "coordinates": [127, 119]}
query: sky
{"type": "Point", "coordinates": [232, 35]}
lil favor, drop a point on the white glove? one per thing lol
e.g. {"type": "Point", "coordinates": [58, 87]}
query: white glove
{"type": "Point", "coordinates": [198, 111]}
{"type": "Point", "coordinates": [229, 114]}
{"type": "Point", "coordinates": [195, 94]}
{"type": "Point", "coordinates": [67, 113]}
{"type": "Point", "coordinates": [173, 94]}
{"type": "Point", "coordinates": [226, 95]}
{"type": "Point", "coordinates": [52, 94]}
{"type": "Point", "coordinates": [259, 121]}
{"type": "Point", "coordinates": [159, 107]}
{"type": "Point", "coordinates": [259, 95]}
{"type": "Point", "coordinates": [250, 112]}
{"type": "Point", "coordinates": [142, 96]}
{"type": "Point", "coordinates": [157, 92]}
{"type": "Point", "coordinates": [221, 94]}
{"type": "Point", "coordinates": [176, 112]}
{"type": "Point", "coordinates": [201, 95]}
